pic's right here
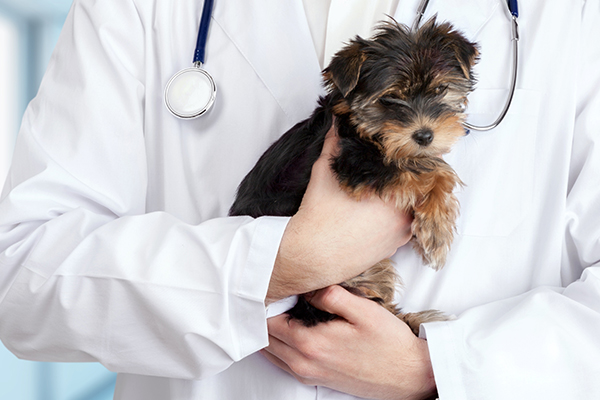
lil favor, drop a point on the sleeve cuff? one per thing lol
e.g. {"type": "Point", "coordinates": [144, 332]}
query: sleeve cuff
{"type": "Point", "coordinates": [248, 299]}
{"type": "Point", "coordinates": [442, 351]}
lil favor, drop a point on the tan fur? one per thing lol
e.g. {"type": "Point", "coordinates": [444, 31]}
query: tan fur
{"type": "Point", "coordinates": [413, 121]}
{"type": "Point", "coordinates": [379, 283]}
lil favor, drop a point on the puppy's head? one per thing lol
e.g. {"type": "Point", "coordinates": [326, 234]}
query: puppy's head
{"type": "Point", "coordinates": [406, 91]}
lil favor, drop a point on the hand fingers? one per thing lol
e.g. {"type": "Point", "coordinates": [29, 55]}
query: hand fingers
{"type": "Point", "coordinates": [337, 300]}
{"type": "Point", "coordinates": [289, 359]}
{"type": "Point", "coordinates": [331, 144]}
{"type": "Point", "coordinates": [293, 342]}
{"type": "Point", "coordinates": [284, 329]}
{"type": "Point", "coordinates": [277, 362]}
{"type": "Point", "coordinates": [280, 353]}
{"type": "Point", "coordinates": [321, 174]}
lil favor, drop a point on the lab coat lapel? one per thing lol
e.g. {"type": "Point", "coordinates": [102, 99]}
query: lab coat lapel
{"type": "Point", "coordinates": [274, 37]}
{"type": "Point", "coordinates": [469, 16]}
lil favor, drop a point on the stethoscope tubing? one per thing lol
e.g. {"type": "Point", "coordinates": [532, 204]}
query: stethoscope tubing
{"type": "Point", "coordinates": [513, 83]}
{"type": "Point", "coordinates": [200, 51]}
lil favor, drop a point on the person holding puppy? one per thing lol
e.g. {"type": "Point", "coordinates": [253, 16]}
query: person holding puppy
{"type": "Point", "coordinates": [116, 246]}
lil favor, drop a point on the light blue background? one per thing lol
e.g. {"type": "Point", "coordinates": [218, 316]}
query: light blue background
{"type": "Point", "coordinates": [38, 23]}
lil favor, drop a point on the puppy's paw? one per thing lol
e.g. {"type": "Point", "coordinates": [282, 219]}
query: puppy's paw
{"type": "Point", "coordinates": [414, 320]}
{"type": "Point", "coordinates": [379, 283]}
{"type": "Point", "coordinates": [432, 240]}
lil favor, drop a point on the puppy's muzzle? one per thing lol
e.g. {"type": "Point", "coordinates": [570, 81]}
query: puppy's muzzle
{"type": "Point", "coordinates": [423, 137]}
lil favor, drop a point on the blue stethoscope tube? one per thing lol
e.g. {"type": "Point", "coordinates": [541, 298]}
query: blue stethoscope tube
{"type": "Point", "coordinates": [191, 92]}
{"type": "Point", "coordinates": [200, 51]}
{"type": "Point", "coordinates": [513, 6]}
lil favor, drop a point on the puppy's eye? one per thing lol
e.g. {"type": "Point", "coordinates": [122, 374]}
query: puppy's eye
{"type": "Point", "coordinates": [440, 89]}
{"type": "Point", "coordinates": [392, 101]}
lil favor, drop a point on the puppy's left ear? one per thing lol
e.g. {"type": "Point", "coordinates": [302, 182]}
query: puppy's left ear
{"type": "Point", "coordinates": [344, 69]}
{"type": "Point", "coordinates": [467, 53]}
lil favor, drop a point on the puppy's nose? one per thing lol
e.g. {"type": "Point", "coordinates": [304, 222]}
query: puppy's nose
{"type": "Point", "coordinates": [423, 136]}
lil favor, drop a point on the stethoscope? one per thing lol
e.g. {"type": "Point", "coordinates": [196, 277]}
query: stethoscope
{"type": "Point", "coordinates": [192, 91]}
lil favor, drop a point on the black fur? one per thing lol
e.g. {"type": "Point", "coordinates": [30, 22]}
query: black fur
{"type": "Point", "coordinates": [276, 184]}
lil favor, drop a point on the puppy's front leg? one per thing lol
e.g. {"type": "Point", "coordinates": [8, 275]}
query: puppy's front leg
{"type": "Point", "coordinates": [435, 215]}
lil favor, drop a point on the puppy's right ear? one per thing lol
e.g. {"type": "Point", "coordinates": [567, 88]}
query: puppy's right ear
{"type": "Point", "coordinates": [344, 69]}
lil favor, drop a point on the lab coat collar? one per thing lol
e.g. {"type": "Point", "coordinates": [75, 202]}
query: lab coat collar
{"type": "Point", "coordinates": [279, 46]}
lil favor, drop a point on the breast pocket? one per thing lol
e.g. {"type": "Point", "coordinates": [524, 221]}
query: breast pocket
{"type": "Point", "coordinates": [497, 166]}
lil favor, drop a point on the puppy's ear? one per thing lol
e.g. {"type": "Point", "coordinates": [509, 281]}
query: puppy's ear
{"type": "Point", "coordinates": [467, 53]}
{"type": "Point", "coordinates": [445, 37]}
{"type": "Point", "coordinates": [344, 69]}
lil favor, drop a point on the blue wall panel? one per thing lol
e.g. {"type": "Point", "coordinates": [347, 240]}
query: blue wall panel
{"type": "Point", "coordinates": [39, 22]}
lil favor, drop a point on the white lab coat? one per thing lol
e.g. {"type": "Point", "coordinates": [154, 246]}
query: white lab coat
{"type": "Point", "coordinates": [113, 231]}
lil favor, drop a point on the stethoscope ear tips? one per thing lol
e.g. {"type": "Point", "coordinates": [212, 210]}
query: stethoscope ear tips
{"type": "Point", "coordinates": [467, 131]}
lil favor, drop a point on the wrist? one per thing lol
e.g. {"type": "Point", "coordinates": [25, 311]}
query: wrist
{"type": "Point", "coordinates": [293, 269]}
{"type": "Point", "coordinates": [427, 389]}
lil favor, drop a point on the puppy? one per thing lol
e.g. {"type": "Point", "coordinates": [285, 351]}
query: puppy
{"type": "Point", "coordinates": [398, 101]}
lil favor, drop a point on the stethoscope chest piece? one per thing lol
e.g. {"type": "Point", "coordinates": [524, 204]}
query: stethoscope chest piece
{"type": "Point", "coordinates": [190, 93]}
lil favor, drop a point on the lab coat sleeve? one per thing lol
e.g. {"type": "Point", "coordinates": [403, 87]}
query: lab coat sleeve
{"type": "Point", "coordinates": [85, 273]}
{"type": "Point", "coordinates": [544, 344]}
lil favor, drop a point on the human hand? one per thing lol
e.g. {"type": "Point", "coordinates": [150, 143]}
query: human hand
{"type": "Point", "coordinates": [367, 353]}
{"type": "Point", "coordinates": [333, 236]}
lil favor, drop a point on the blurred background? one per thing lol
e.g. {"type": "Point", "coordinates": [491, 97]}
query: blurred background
{"type": "Point", "coordinates": [29, 30]}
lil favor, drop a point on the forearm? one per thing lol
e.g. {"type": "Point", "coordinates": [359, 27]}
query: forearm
{"type": "Point", "coordinates": [111, 294]}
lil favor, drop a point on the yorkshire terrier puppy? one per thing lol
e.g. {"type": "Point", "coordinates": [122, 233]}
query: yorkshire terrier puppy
{"type": "Point", "coordinates": [398, 101]}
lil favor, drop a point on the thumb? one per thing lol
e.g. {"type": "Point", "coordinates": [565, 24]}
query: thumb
{"type": "Point", "coordinates": [337, 300]}
{"type": "Point", "coordinates": [331, 143]}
